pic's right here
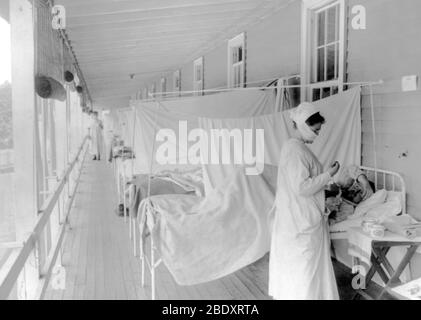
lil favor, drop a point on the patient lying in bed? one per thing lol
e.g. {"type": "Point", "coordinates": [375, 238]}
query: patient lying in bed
{"type": "Point", "coordinates": [351, 187]}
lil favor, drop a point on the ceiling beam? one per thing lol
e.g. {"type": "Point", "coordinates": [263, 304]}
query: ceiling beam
{"type": "Point", "coordinates": [140, 44]}
{"type": "Point", "coordinates": [145, 55]}
{"type": "Point", "coordinates": [89, 9]}
{"type": "Point", "coordinates": [127, 50]}
{"type": "Point", "coordinates": [89, 20]}
{"type": "Point", "coordinates": [167, 20]}
{"type": "Point", "coordinates": [135, 60]}
{"type": "Point", "coordinates": [150, 34]}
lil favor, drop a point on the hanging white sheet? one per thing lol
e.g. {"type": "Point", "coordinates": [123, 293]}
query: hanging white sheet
{"type": "Point", "coordinates": [203, 239]}
{"type": "Point", "coordinates": [181, 117]}
{"type": "Point", "coordinates": [339, 140]}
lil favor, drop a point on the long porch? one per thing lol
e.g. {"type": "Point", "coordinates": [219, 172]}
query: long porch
{"type": "Point", "coordinates": [98, 257]}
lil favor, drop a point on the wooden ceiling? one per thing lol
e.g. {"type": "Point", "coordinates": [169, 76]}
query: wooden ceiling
{"type": "Point", "coordinates": [113, 39]}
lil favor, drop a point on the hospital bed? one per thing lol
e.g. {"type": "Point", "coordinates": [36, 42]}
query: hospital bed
{"type": "Point", "coordinates": [382, 179]}
{"type": "Point", "coordinates": [393, 261]}
{"type": "Point", "coordinates": [201, 239]}
{"type": "Point", "coordinates": [141, 186]}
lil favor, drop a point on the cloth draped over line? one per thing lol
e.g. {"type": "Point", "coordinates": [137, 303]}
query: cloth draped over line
{"type": "Point", "coordinates": [153, 116]}
{"type": "Point", "coordinates": [203, 239]}
{"type": "Point", "coordinates": [339, 139]}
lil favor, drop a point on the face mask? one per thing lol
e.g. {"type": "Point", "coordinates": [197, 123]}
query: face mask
{"type": "Point", "coordinates": [306, 133]}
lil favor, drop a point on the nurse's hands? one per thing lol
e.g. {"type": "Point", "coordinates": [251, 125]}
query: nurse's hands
{"type": "Point", "coordinates": [334, 168]}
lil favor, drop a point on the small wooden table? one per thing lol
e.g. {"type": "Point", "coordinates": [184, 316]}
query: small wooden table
{"type": "Point", "coordinates": [407, 291]}
{"type": "Point", "coordinates": [381, 265]}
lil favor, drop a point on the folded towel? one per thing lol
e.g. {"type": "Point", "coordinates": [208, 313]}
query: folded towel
{"type": "Point", "coordinates": [403, 225]}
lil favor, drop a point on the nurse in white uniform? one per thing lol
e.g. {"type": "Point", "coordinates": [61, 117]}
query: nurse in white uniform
{"type": "Point", "coordinates": [300, 266]}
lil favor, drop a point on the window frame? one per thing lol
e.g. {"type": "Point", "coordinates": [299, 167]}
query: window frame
{"type": "Point", "coordinates": [198, 85]}
{"type": "Point", "coordinates": [309, 48]}
{"type": "Point", "coordinates": [177, 81]}
{"type": "Point", "coordinates": [152, 90]}
{"type": "Point", "coordinates": [237, 41]}
{"type": "Point", "coordinates": [163, 84]}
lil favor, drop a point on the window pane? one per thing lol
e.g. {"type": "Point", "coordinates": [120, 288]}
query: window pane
{"type": "Point", "coordinates": [330, 67]}
{"type": "Point", "coordinates": [198, 73]}
{"type": "Point", "coordinates": [321, 28]}
{"type": "Point", "coordinates": [240, 54]}
{"type": "Point", "coordinates": [336, 60]}
{"type": "Point", "coordinates": [331, 24]}
{"type": "Point", "coordinates": [335, 90]}
{"type": "Point", "coordinates": [316, 94]}
{"type": "Point", "coordinates": [321, 64]}
{"type": "Point", "coordinates": [325, 92]}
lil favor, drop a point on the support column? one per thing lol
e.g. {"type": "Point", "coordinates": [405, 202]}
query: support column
{"type": "Point", "coordinates": [24, 128]}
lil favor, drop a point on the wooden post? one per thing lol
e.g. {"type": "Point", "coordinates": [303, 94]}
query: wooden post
{"type": "Point", "coordinates": [24, 126]}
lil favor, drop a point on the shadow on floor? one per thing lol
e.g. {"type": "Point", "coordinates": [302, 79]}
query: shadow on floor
{"type": "Point", "coordinates": [344, 280]}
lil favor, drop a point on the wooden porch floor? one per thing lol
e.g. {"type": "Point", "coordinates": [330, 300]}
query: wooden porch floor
{"type": "Point", "coordinates": [99, 261]}
{"type": "Point", "coordinates": [97, 255]}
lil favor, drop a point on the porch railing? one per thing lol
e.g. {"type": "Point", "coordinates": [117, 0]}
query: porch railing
{"type": "Point", "coordinates": [34, 242]}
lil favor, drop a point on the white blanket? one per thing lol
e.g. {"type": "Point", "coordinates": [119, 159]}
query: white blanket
{"type": "Point", "coordinates": [204, 239]}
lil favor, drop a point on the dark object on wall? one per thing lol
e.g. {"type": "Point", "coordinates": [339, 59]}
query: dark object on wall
{"type": "Point", "coordinates": [49, 88]}
{"type": "Point", "coordinates": [68, 76]}
{"type": "Point", "coordinates": [79, 89]}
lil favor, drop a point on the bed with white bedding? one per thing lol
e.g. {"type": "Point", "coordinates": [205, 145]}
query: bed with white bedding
{"type": "Point", "coordinates": [388, 200]}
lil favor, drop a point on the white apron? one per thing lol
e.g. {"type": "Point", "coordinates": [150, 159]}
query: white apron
{"type": "Point", "coordinates": [300, 266]}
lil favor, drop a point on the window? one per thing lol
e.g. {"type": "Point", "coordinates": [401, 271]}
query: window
{"type": "Point", "coordinates": [323, 46]}
{"type": "Point", "coordinates": [152, 90]}
{"type": "Point", "coordinates": [198, 82]}
{"type": "Point", "coordinates": [177, 81]}
{"type": "Point", "coordinates": [163, 85]}
{"type": "Point", "coordinates": [236, 61]}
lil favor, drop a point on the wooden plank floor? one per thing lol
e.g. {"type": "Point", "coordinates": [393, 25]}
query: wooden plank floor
{"type": "Point", "coordinates": [98, 257]}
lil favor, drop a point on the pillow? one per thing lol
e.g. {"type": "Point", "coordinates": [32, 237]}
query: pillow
{"type": "Point", "coordinates": [375, 200]}
{"type": "Point", "coordinates": [394, 196]}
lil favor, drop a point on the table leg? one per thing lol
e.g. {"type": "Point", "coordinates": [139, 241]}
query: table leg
{"type": "Point", "coordinates": [407, 258]}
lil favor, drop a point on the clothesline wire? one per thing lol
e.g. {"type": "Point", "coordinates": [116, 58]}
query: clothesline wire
{"type": "Point", "coordinates": [362, 84]}
{"type": "Point", "coordinates": [259, 81]}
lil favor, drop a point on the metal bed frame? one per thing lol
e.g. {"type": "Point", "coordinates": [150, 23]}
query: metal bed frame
{"type": "Point", "coordinates": [152, 263]}
{"type": "Point", "coordinates": [383, 179]}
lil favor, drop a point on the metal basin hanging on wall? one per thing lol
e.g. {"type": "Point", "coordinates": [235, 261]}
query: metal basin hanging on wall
{"type": "Point", "coordinates": [49, 88]}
